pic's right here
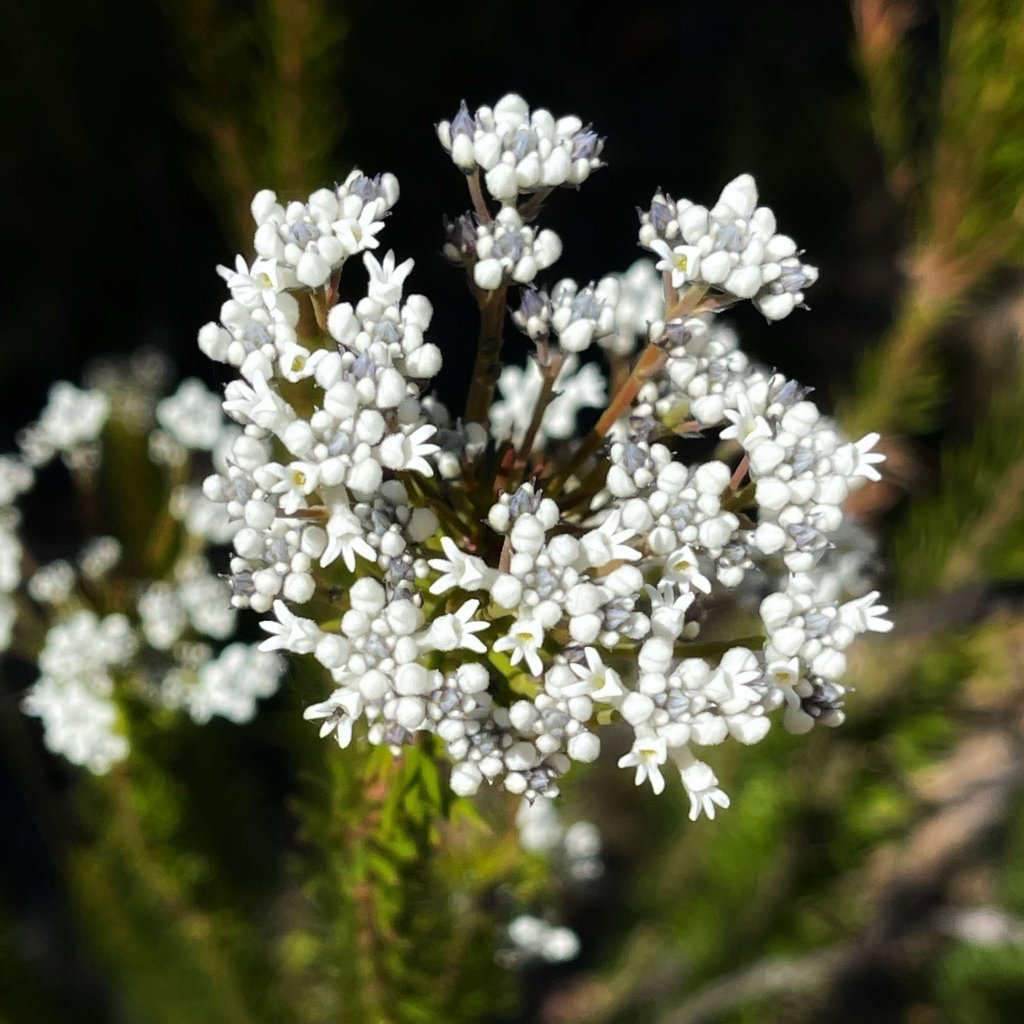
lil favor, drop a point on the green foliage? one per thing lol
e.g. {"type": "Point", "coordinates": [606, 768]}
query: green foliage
{"type": "Point", "coordinates": [978, 176]}
{"type": "Point", "coordinates": [901, 384]}
{"type": "Point", "coordinates": [969, 525]}
{"type": "Point", "coordinates": [270, 74]}
{"type": "Point", "coordinates": [980, 985]}
{"type": "Point", "coordinates": [135, 889]}
{"type": "Point", "coordinates": [884, 67]}
{"type": "Point", "coordinates": [398, 872]}
{"type": "Point", "coordinates": [964, 191]}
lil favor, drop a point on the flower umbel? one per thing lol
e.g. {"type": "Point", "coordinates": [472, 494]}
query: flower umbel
{"type": "Point", "coordinates": [503, 580]}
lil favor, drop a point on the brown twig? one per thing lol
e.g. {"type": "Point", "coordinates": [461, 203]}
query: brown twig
{"type": "Point", "coordinates": [488, 356]}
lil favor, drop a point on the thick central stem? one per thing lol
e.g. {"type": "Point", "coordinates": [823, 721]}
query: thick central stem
{"type": "Point", "coordinates": [488, 356]}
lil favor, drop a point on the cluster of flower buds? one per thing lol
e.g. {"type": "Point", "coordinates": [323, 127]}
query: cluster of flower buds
{"type": "Point", "coordinates": [732, 248]}
{"type": "Point", "coordinates": [304, 243]}
{"type": "Point", "coordinates": [501, 582]}
{"type": "Point", "coordinates": [575, 316]}
{"type": "Point", "coordinates": [520, 151]}
{"type": "Point", "coordinates": [501, 250]}
{"type": "Point", "coordinates": [116, 622]}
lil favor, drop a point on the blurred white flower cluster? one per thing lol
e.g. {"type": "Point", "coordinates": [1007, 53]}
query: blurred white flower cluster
{"type": "Point", "coordinates": [496, 577]}
{"type": "Point", "coordinates": [130, 620]}
{"type": "Point", "coordinates": [573, 856]}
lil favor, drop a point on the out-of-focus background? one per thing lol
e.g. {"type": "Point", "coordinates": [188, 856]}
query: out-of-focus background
{"type": "Point", "coordinates": [875, 872]}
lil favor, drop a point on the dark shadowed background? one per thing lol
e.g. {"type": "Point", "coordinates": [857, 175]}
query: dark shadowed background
{"type": "Point", "coordinates": [131, 132]}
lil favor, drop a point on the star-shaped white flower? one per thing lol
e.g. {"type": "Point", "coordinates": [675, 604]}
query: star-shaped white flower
{"type": "Point", "coordinates": [648, 755]}
{"type": "Point", "coordinates": [293, 483]}
{"type": "Point", "coordinates": [337, 714]}
{"type": "Point", "coordinates": [345, 539]}
{"type": "Point", "coordinates": [409, 451]}
{"type": "Point", "coordinates": [702, 787]}
{"type": "Point", "coordinates": [747, 428]}
{"type": "Point", "coordinates": [524, 639]}
{"type": "Point", "coordinates": [250, 284]}
{"type": "Point", "coordinates": [863, 615]}
{"type": "Point", "coordinates": [259, 404]}
{"type": "Point", "coordinates": [460, 570]}
{"type": "Point", "coordinates": [683, 261]}
{"type": "Point", "coordinates": [386, 278]}
{"type": "Point", "coordinates": [608, 543]}
{"type": "Point", "coordinates": [668, 610]}
{"type": "Point", "coordinates": [457, 631]}
{"type": "Point", "coordinates": [357, 234]}
{"type": "Point", "coordinates": [290, 632]}
{"type": "Point", "coordinates": [682, 567]}
{"type": "Point", "coordinates": [596, 680]}
{"type": "Point", "coordinates": [867, 458]}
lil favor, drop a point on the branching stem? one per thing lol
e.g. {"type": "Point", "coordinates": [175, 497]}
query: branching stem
{"type": "Point", "coordinates": [547, 390]}
{"type": "Point", "coordinates": [651, 361]}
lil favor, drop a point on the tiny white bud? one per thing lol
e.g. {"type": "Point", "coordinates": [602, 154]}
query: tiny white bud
{"type": "Point", "coordinates": [585, 747]}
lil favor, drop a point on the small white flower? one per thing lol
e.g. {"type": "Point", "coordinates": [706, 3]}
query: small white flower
{"type": "Point", "coordinates": [73, 417]}
{"type": "Point", "coordinates": [596, 680]}
{"type": "Point", "coordinates": [192, 415]}
{"type": "Point", "coordinates": [257, 403]}
{"type": "Point", "coordinates": [747, 428]}
{"type": "Point", "coordinates": [345, 539]}
{"type": "Point", "coordinates": [682, 566]}
{"type": "Point", "coordinates": [387, 278]}
{"type": "Point", "coordinates": [409, 451]}
{"type": "Point", "coordinates": [702, 788]}
{"type": "Point", "coordinates": [459, 570]}
{"type": "Point", "coordinates": [681, 261]}
{"type": "Point", "coordinates": [457, 631]}
{"type": "Point", "coordinates": [290, 632]}
{"type": "Point", "coordinates": [337, 714]}
{"type": "Point", "coordinates": [648, 755]}
{"type": "Point", "coordinates": [249, 285]}
{"type": "Point", "coordinates": [357, 234]}
{"type": "Point", "coordinates": [524, 640]}
{"type": "Point", "coordinates": [864, 615]}
{"type": "Point", "coordinates": [608, 543]}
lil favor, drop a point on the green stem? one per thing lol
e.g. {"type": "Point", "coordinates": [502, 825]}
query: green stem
{"type": "Point", "coordinates": [741, 499]}
{"type": "Point", "coordinates": [712, 647]}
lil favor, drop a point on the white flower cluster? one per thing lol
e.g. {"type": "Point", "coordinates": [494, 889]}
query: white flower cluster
{"type": "Point", "coordinates": [73, 695]}
{"type": "Point", "coordinates": [533, 939]}
{"type": "Point", "coordinates": [502, 250]}
{"type": "Point", "coordinates": [641, 303]}
{"type": "Point", "coordinates": [457, 583]}
{"type": "Point", "coordinates": [573, 854]}
{"type": "Point", "coordinates": [520, 151]}
{"type": "Point", "coordinates": [157, 646]}
{"type": "Point", "coordinates": [69, 426]}
{"type": "Point", "coordinates": [575, 849]}
{"type": "Point", "coordinates": [575, 316]}
{"type": "Point", "coordinates": [578, 387]}
{"type": "Point", "coordinates": [304, 243]}
{"type": "Point", "coordinates": [733, 247]}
